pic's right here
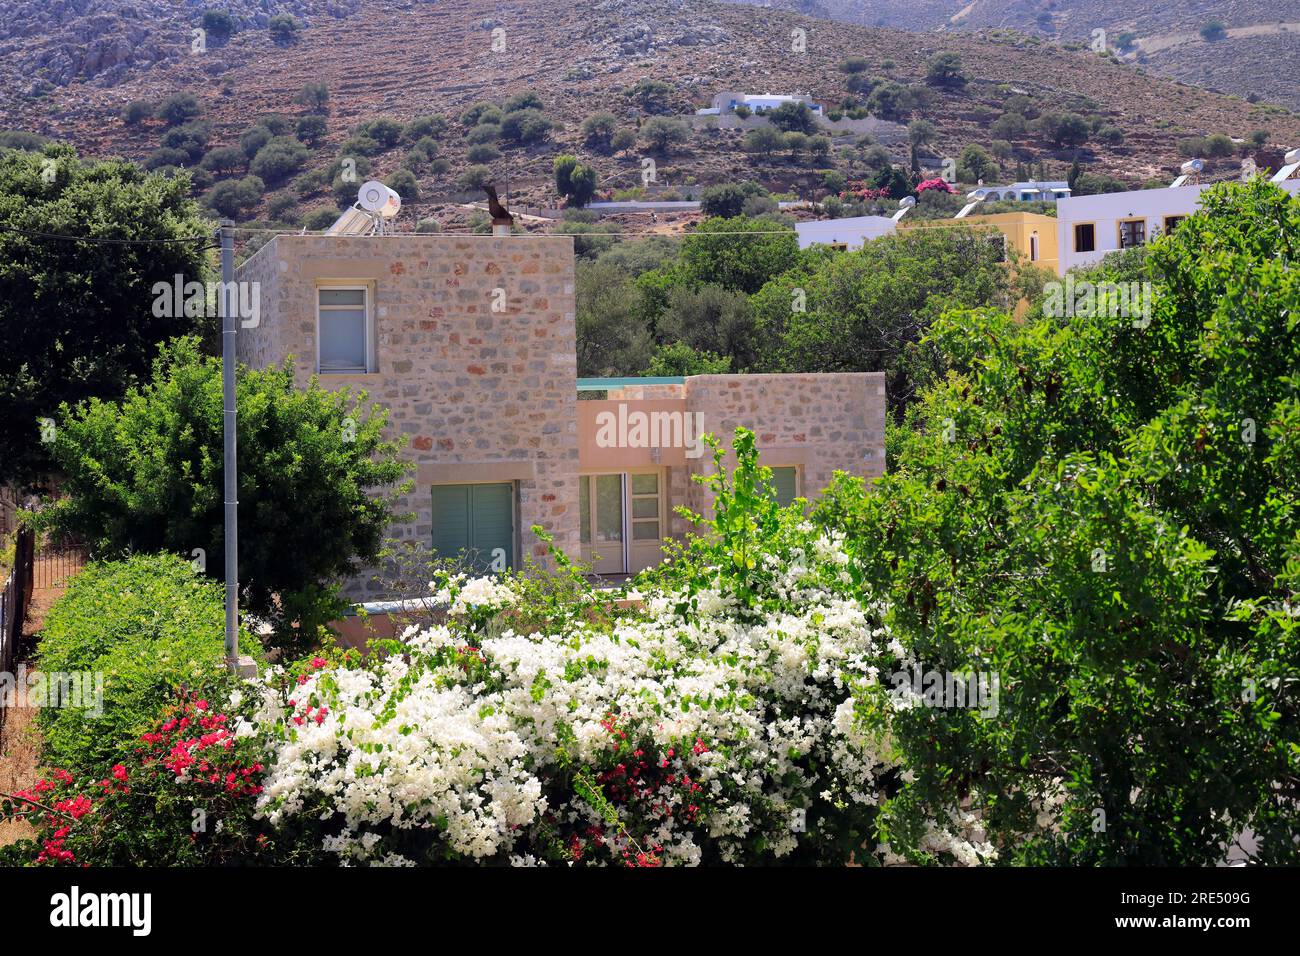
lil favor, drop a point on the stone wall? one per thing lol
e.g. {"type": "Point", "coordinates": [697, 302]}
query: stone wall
{"type": "Point", "coordinates": [820, 423]}
{"type": "Point", "coordinates": [480, 395]}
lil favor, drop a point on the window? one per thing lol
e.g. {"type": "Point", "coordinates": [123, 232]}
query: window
{"type": "Point", "coordinates": [345, 332]}
{"type": "Point", "coordinates": [645, 507]}
{"type": "Point", "coordinates": [1033, 247]}
{"type": "Point", "coordinates": [786, 479]}
{"type": "Point", "coordinates": [1085, 237]}
{"type": "Point", "coordinates": [1171, 223]}
{"type": "Point", "coordinates": [1132, 232]}
{"type": "Point", "coordinates": [475, 524]}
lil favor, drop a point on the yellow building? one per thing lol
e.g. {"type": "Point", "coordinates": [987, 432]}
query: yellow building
{"type": "Point", "coordinates": [1031, 234]}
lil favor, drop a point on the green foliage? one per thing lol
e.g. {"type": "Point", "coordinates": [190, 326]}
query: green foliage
{"type": "Point", "coordinates": [1064, 129]}
{"type": "Point", "coordinates": [598, 130]}
{"type": "Point", "coordinates": [525, 126]}
{"type": "Point", "coordinates": [663, 134]}
{"type": "Point", "coordinates": [944, 69]}
{"type": "Point", "coordinates": [191, 138]}
{"type": "Point", "coordinates": [793, 117]}
{"type": "Point", "coordinates": [136, 112]}
{"type": "Point", "coordinates": [1213, 30]}
{"type": "Point", "coordinates": [178, 108]}
{"type": "Point", "coordinates": [737, 254]}
{"type": "Point", "coordinates": [865, 310]}
{"type": "Point", "coordinates": [764, 140]}
{"type": "Point", "coordinates": [1105, 511]}
{"type": "Point", "coordinates": [475, 177]}
{"type": "Point", "coordinates": [284, 28]}
{"type": "Point", "coordinates": [404, 183]}
{"type": "Point", "coordinates": [224, 160]}
{"type": "Point", "coordinates": [678, 358]}
{"type": "Point", "coordinates": [145, 475]}
{"type": "Point", "coordinates": [311, 129]}
{"type": "Point", "coordinates": [253, 140]}
{"type": "Point", "coordinates": [425, 127]}
{"type": "Point", "coordinates": [653, 96]}
{"type": "Point", "coordinates": [975, 164]}
{"type": "Point", "coordinates": [148, 625]}
{"type": "Point", "coordinates": [726, 201]}
{"type": "Point", "coordinates": [219, 24]}
{"type": "Point", "coordinates": [316, 97]}
{"type": "Point", "coordinates": [49, 291]}
{"type": "Point", "coordinates": [233, 197]}
{"type": "Point", "coordinates": [523, 101]}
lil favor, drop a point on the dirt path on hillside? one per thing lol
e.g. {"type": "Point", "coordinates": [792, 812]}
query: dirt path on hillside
{"type": "Point", "coordinates": [1164, 41]}
{"type": "Point", "coordinates": [20, 742]}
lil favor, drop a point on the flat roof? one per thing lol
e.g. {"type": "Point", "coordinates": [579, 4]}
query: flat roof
{"type": "Point", "coordinates": [605, 384]}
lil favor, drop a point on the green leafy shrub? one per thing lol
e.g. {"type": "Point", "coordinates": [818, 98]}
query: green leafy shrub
{"type": "Point", "coordinates": [145, 475]}
{"type": "Point", "coordinates": [149, 624]}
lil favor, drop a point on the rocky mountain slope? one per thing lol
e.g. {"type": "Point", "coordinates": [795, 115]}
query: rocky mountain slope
{"type": "Point", "coordinates": [404, 59]}
{"type": "Point", "coordinates": [1256, 54]}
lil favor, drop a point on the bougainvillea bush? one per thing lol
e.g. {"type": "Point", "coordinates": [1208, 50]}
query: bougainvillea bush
{"type": "Point", "coordinates": [713, 723]}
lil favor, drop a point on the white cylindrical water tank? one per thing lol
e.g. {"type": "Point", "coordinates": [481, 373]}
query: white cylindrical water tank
{"type": "Point", "coordinates": [1192, 166]}
{"type": "Point", "coordinates": [1293, 156]}
{"type": "Point", "coordinates": [375, 197]}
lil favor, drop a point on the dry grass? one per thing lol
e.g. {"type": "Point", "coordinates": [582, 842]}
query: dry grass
{"type": "Point", "coordinates": [20, 742]}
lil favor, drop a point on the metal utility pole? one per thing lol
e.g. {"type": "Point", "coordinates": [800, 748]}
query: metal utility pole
{"type": "Point", "coordinates": [228, 300]}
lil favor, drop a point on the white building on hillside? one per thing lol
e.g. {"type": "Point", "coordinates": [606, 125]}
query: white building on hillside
{"type": "Point", "coordinates": [1088, 227]}
{"type": "Point", "coordinates": [848, 233]}
{"type": "Point", "coordinates": [1023, 192]}
{"type": "Point", "coordinates": [727, 102]}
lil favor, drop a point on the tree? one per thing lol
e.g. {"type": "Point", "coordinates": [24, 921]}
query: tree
{"type": "Point", "coordinates": [53, 293]}
{"type": "Point", "coordinates": [404, 183]}
{"type": "Point", "coordinates": [1103, 510]}
{"type": "Point", "coordinates": [921, 132]}
{"type": "Point", "coordinates": [711, 320]}
{"type": "Point", "coordinates": [765, 140]}
{"type": "Point", "coordinates": [737, 254]}
{"type": "Point", "coordinates": [254, 139]}
{"type": "Point", "coordinates": [384, 130]}
{"type": "Point", "coordinates": [891, 101]}
{"type": "Point", "coordinates": [523, 101]}
{"type": "Point", "coordinates": [191, 138]}
{"type": "Point", "coordinates": [622, 141]}
{"type": "Point", "coordinates": [612, 336]}
{"type": "Point", "coordinates": [975, 164]}
{"type": "Point", "coordinates": [853, 64]}
{"type": "Point", "coordinates": [1009, 126]}
{"type": "Point", "coordinates": [662, 134]}
{"type": "Point", "coordinates": [279, 158]}
{"type": "Point", "coordinates": [653, 96]}
{"type": "Point", "coordinates": [219, 24]}
{"type": "Point", "coordinates": [678, 358]}
{"type": "Point", "coordinates": [144, 474]}
{"type": "Point", "coordinates": [424, 127]}
{"type": "Point", "coordinates": [474, 177]}
{"type": "Point", "coordinates": [1068, 129]}
{"type": "Point", "coordinates": [582, 185]}
{"type": "Point", "coordinates": [179, 108]}
{"type": "Point", "coordinates": [725, 200]}
{"type": "Point", "coordinates": [311, 129]}
{"type": "Point", "coordinates": [136, 112]}
{"type": "Point", "coordinates": [1213, 30]}
{"type": "Point", "coordinates": [232, 197]}
{"type": "Point", "coordinates": [865, 310]}
{"type": "Point", "coordinates": [525, 126]}
{"type": "Point", "coordinates": [598, 130]}
{"type": "Point", "coordinates": [225, 160]}
{"type": "Point", "coordinates": [316, 97]}
{"type": "Point", "coordinates": [793, 117]}
{"type": "Point", "coordinates": [284, 28]}
{"type": "Point", "coordinates": [944, 69]}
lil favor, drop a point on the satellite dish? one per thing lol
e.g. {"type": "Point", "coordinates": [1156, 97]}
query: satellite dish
{"type": "Point", "coordinates": [375, 197]}
{"type": "Point", "coordinates": [1192, 166]}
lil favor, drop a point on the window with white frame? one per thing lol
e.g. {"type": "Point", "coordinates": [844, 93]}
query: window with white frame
{"type": "Point", "coordinates": [345, 330]}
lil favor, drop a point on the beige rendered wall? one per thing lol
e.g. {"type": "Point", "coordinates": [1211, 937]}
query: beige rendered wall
{"type": "Point", "coordinates": [480, 395]}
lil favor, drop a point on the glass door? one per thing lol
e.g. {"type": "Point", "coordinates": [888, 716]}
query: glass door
{"type": "Point", "coordinates": [600, 506]}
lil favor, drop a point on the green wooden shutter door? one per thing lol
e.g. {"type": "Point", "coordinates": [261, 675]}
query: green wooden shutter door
{"type": "Point", "coordinates": [451, 511]}
{"type": "Point", "coordinates": [784, 479]}
{"type": "Point", "coordinates": [492, 523]}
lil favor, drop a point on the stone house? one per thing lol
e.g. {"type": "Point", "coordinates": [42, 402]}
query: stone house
{"type": "Point", "coordinates": [470, 343]}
